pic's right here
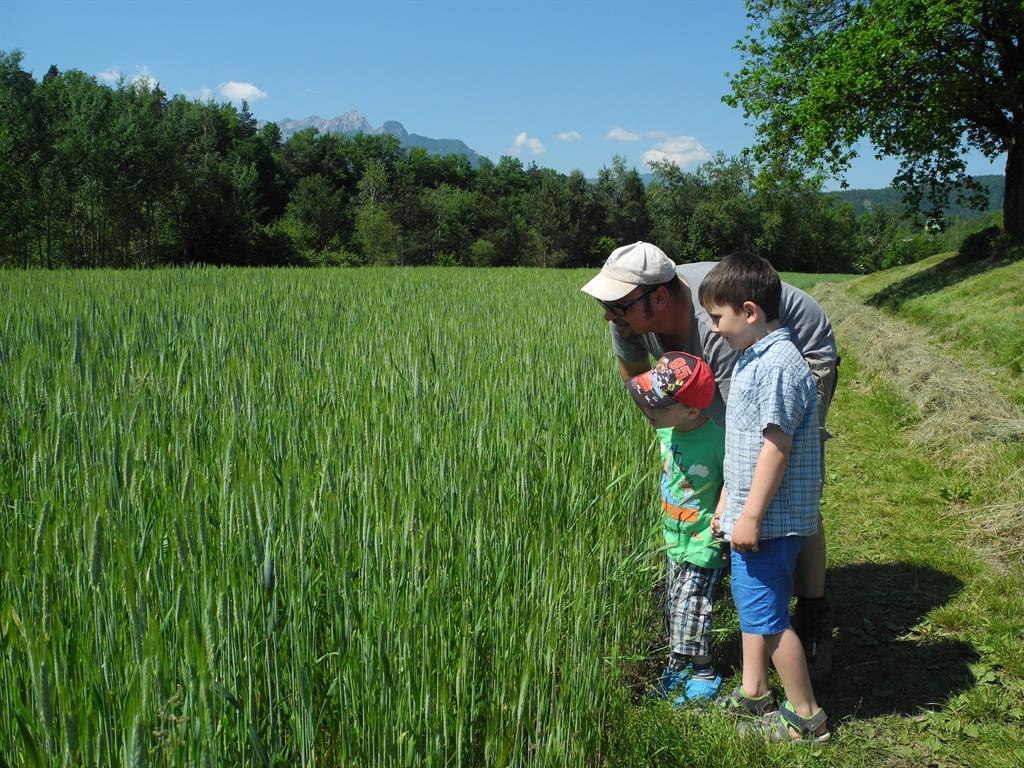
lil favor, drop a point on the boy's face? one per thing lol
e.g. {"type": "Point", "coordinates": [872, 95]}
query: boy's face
{"type": "Point", "coordinates": [675, 416]}
{"type": "Point", "coordinates": [735, 326]}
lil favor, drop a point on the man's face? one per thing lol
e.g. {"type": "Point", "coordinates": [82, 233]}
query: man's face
{"type": "Point", "coordinates": [732, 325]}
{"type": "Point", "coordinates": [632, 313]}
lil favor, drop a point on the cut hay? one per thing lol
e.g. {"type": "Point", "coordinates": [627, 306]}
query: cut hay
{"type": "Point", "coordinates": [958, 414]}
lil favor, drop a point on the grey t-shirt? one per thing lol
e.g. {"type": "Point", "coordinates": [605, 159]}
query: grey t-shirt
{"type": "Point", "coordinates": [808, 325]}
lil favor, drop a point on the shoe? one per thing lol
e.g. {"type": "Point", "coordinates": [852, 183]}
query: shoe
{"type": "Point", "coordinates": [736, 702]}
{"type": "Point", "coordinates": [698, 689]}
{"type": "Point", "coordinates": [812, 622]}
{"type": "Point", "coordinates": [776, 726]}
{"type": "Point", "coordinates": [670, 681]}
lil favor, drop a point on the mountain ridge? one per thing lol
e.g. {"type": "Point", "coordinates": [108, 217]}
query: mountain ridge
{"type": "Point", "coordinates": [352, 122]}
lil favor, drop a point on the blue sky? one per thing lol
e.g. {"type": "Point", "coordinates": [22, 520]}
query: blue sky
{"type": "Point", "coordinates": [565, 84]}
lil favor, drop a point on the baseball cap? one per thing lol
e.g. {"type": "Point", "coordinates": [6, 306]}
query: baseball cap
{"type": "Point", "coordinates": [627, 267]}
{"type": "Point", "coordinates": [677, 377]}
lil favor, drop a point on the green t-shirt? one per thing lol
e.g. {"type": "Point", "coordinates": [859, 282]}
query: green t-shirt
{"type": "Point", "coordinates": [691, 482]}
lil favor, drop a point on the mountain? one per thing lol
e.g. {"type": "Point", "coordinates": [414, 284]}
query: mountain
{"type": "Point", "coordinates": [352, 123]}
{"type": "Point", "coordinates": [865, 199]}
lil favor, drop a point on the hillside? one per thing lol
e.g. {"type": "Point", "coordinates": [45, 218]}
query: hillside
{"type": "Point", "coordinates": [889, 199]}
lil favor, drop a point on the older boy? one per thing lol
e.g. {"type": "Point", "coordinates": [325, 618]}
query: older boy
{"type": "Point", "coordinates": [769, 505]}
{"type": "Point", "coordinates": [673, 396]}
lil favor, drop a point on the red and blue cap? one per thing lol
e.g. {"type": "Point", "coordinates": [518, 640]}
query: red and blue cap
{"type": "Point", "coordinates": [677, 377]}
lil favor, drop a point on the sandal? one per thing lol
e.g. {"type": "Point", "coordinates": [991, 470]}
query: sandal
{"type": "Point", "coordinates": [776, 726]}
{"type": "Point", "coordinates": [738, 703]}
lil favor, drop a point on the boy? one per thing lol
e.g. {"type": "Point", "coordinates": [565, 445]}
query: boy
{"type": "Point", "coordinates": [769, 505]}
{"type": "Point", "coordinates": [672, 396]}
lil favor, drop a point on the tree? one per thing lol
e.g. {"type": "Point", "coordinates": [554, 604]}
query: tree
{"type": "Point", "coordinates": [924, 81]}
{"type": "Point", "coordinates": [19, 160]}
{"type": "Point", "coordinates": [319, 211]}
{"type": "Point", "coordinates": [620, 193]}
{"type": "Point", "coordinates": [455, 221]}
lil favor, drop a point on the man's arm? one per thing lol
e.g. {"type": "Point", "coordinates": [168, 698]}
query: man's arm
{"type": "Point", "coordinates": [768, 475]}
{"type": "Point", "coordinates": [630, 368]}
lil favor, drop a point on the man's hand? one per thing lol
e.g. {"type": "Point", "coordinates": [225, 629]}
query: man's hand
{"type": "Point", "coordinates": [745, 534]}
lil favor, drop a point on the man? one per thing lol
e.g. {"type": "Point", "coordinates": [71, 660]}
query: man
{"type": "Point", "coordinates": [651, 307]}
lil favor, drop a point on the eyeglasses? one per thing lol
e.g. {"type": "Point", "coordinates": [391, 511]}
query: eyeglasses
{"type": "Point", "coordinates": [620, 309]}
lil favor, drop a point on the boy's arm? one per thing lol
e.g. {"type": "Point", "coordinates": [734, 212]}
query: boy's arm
{"type": "Point", "coordinates": [768, 474]}
{"type": "Point", "coordinates": [716, 518]}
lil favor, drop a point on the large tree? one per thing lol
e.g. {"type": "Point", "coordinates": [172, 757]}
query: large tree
{"type": "Point", "coordinates": [923, 80]}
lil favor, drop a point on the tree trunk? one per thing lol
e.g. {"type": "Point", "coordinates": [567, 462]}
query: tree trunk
{"type": "Point", "coordinates": [1013, 200]}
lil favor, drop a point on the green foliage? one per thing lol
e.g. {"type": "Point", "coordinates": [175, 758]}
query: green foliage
{"type": "Point", "coordinates": [987, 243]}
{"type": "Point", "coordinates": [907, 250]}
{"type": "Point", "coordinates": [728, 204]}
{"type": "Point", "coordinates": [482, 253]}
{"type": "Point", "coordinates": [98, 176]}
{"type": "Point", "coordinates": [923, 81]}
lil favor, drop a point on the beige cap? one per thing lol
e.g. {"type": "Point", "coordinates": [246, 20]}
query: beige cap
{"type": "Point", "coordinates": [629, 266]}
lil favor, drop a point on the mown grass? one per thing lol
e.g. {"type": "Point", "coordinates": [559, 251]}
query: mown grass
{"type": "Point", "coordinates": [976, 308]}
{"type": "Point", "coordinates": [407, 517]}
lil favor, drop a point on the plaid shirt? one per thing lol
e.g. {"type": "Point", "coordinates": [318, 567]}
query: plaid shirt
{"type": "Point", "coordinates": [771, 384]}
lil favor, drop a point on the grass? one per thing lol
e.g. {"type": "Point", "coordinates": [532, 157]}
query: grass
{"type": "Point", "coordinates": [975, 309]}
{"type": "Point", "coordinates": [247, 521]}
{"type": "Point", "coordinates": [807, 280]}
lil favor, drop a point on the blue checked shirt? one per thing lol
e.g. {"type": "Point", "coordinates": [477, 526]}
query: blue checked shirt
{"type": "Point", "coordinates": [771, 384]}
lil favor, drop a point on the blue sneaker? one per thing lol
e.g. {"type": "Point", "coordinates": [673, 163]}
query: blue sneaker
{"type": "Point", "coordinates": [698, 689]}
{"type": "Point", "coordinates": [669, 682]}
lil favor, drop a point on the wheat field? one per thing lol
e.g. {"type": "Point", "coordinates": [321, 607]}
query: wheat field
{"type": "Point", "coordinates": [339, 517]}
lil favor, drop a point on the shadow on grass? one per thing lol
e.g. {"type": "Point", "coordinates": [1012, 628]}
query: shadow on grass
{"type": "Point", "coordinates": [942, 275]}
{"type": "Point", "coordinates": [881, 664]}
{"type": "Point", "coordinates": [884, 663]}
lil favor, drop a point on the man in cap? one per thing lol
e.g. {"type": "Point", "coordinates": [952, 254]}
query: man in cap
{"type": "Point", "coordinates": [651, 307]}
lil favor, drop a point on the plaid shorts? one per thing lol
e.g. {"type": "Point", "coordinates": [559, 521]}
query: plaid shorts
{"type": "Point", "coordinates": [689, 598]}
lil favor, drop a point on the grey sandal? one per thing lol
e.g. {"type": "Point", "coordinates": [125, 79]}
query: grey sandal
{"type": "Point", "coordinates": [776, 726]}
{"type": "Point", "coordinates": [738, 703]}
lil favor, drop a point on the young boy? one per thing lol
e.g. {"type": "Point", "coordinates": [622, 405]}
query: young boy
{"type": "Point", "coordinates": [772, 486]}
{"type": "Point", "coordinates": [672, 396]}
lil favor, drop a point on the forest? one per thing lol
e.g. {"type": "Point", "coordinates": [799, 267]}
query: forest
{"type": "Point", "coordinates": [98, 176]}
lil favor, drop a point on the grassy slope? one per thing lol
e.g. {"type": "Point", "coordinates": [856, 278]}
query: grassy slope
{"type": "Point", "coordinates": [976, 309]}
{"type": "Point", "coordinates": [929, 600]}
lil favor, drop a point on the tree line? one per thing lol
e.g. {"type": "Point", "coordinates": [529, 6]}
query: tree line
{"type": "Point", "coordinates": [93, 175]}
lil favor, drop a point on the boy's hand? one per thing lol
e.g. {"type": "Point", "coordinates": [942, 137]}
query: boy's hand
{"type": "Point", "coordinates": [745, 534]}
{"type": "Point", "coordinates": [716, 519]}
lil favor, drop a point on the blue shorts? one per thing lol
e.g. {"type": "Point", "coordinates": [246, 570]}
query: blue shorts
{"type": "Point", "coordinates": [762, 583]}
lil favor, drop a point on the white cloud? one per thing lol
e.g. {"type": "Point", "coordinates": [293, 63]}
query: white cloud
{"type": "Point", "coordinates": [681, 150]}
{"type": "Point", "coordinates": [522, 141]}
{"type": "Point", "coordinates": [570, 136]}
{"type": "Point", "coordinates": [144, 77]}
{"type": "Point", "coordinates": [233, 91]}
{"type": "Point", "coordinates": [621, 134]}
{"type": "Point", "coordinates": [205, 94]}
